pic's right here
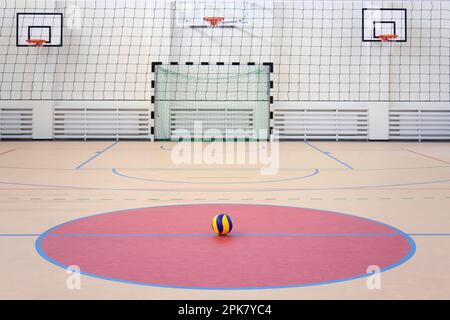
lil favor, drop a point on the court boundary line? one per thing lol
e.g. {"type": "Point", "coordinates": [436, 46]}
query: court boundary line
{"type": "Point", "coordinates": [429, 234]}
{"type": "Point", "coordinates": [427, 156]}
{"type": "Point", "coordinates": [4, 153]}
{"type": "Point", "coordinates": [228, 169]}
{"type": "Point", "coordinates": [18, 235]}
{"type": "Point", "coordinates": [368, 187]}
{"type": "Point", "coordinates": [122, 175]}
{"type": "Point", "coordinates": [329, 155]}
{"type": "Point", "coordinates": [97, 154]}
{"type": "Point", "coordinates": [31, 235]}
{"type": "Point", "coordinates": [207, 235]}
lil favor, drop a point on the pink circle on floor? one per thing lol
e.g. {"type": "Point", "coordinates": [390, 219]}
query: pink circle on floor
{"type": "Point", "coordinates": [270, 247]}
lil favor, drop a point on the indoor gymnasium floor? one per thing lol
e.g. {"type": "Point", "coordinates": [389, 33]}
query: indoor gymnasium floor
{"type": "Point", "coordinates": [400, 184]}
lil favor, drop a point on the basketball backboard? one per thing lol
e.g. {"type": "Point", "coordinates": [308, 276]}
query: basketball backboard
{"type": "Point", "coordinates": [40, 26]}
{"type": "Point", "coordinates": [378, 22]}
{"type": "Point", "coordinates": [197, 14]}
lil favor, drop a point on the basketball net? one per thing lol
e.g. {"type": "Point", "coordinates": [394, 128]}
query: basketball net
{"type": "Point", "coordinates": [37, 42]}
{"type": "Point", "coordinates": [214, 21]}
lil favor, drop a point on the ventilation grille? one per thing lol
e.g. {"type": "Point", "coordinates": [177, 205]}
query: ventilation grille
{"type": "Point", "coordinates": [16, 123]}
{"type": "Point", "coordinates": [419, 125]}
{"type": "Point", "coordinates": [321, 124]}
{"type": "Point", "coordinates": [213, 119]}
{"type": "Point", "coordinates": [101, 123]}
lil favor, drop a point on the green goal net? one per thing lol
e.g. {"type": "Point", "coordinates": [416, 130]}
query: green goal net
{"type": "Point", "coordinates": [212, 101]}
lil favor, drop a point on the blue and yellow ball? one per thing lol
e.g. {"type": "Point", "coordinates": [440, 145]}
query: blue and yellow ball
{"type": "Point", "coordinates": [222, 224]}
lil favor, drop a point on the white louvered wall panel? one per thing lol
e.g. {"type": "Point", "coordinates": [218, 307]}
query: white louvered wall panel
{"type": "Point", "coordinates": [16, 123]}
{"type": "Point", "coordinates": [321, 124]}
{"type": "Point", "coordinates": [419, 125]}
{"type": "Point", "coordinates": [293, 123]}
{"type": "Point", "coordinates": [217, 119]}
{"type": "Point", "coordinates": [101, 123]}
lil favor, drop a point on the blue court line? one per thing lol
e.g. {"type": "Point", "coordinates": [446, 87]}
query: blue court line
{"type": "Point", "coordinates": [165, 149]}
{"type": "Point", "coordinates": [427, 156]}
{"type": "Point", "coordinates": [6, 152]}
{"type": "Point", "coordinates": [97, 154]}
{"type": "Point", "coordinates": [312, 174]}
{"type": "Point", "coordinates": [162, 235]}
{"type": "Point", "coordinates": [226, 169]}
{"type": "Point", "coordinates": [19, 235]}
{"type": "Point", "coordinates": [233, 235]}
{"type": "Point", "coordinates": [191, 190]}
{"type": "Point", "coordinates": [429, 234]}
{"type": "Point", "coordinates": [328, 154]}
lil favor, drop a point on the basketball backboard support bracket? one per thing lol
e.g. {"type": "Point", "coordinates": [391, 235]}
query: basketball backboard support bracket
{"type": "Point", "coordinates": [379, 22]}
{"type": "Point", "coordinates": [214, 14]}
{"type": "Point", "coordinates": [39, 26]}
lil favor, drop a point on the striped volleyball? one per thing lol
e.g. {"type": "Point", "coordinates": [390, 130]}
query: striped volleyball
{"type": "Point", "coordinates": [222, 224]}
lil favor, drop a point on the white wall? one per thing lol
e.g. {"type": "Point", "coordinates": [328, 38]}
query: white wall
{"type": "Point", "coordinates": [316, 47]}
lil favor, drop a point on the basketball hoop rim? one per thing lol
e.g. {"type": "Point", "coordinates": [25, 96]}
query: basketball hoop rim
{"type": "Point", "coordinates": [387, 37]}
{"type": "Point", "coordinates": [37, 42]}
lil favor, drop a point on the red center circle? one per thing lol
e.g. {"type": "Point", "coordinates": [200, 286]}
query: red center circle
{"type": "Point", "coordinates": [270, 247]}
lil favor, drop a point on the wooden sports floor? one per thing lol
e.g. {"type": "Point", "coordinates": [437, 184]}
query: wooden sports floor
{"type": "Point", "coordinates": [405, 185]}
